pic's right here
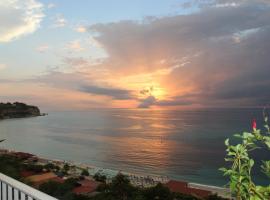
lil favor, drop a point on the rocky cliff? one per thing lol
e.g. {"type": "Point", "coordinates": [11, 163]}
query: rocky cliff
{"type": "Point", "coordinates": [17, 110]}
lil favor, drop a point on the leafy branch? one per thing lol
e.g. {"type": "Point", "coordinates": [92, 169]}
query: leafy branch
{"type": "Point", "coordinates": [239, 172]}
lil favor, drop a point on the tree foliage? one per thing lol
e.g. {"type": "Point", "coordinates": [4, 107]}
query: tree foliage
{"type": "Point", "coordinates": [85, 172]}
{"type": "Point", "coordinates": [121, 189]}
{"type": "Point", "coordinates": [99, 177]}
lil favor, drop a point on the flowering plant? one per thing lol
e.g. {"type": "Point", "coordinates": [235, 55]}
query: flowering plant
{"type": "Point", "coordinates": [241, 184]}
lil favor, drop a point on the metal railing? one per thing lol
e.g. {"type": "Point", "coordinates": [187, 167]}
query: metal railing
{"type": "Point", "coordinates": [11, 189]}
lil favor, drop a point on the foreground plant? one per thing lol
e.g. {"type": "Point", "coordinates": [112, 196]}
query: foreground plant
{"type": "Point", "coordinates": [241, 183]}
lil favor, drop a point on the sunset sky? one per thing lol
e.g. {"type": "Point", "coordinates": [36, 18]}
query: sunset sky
{"type": "Point", "coordinates": [157, 54]}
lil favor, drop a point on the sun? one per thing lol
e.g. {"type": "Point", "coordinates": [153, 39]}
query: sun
{"type": "Point", "coordinates": [158, 92]}
{"type": "Point", "coordinates": [153, 90]}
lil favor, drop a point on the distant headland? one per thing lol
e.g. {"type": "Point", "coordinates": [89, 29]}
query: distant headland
{"type": "Point", "coordinates": [18, 110]}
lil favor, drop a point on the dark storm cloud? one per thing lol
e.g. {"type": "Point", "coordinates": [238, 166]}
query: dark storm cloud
{"type": "Point", "coordinates": [115, 93]}
{"type": "Point", "coordinates": [147, 102]}
{"type": "Point", "coordinates": [79, 82]}
{"type": "Point", "coordinates": [175, 101]}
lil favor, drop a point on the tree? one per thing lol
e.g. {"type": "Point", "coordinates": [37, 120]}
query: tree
{"type": "Point", "coordinates": [58, 190]}
{"type": "Point", "coordinates": [240, 172]}
{"type": "Point", "coordinates": [10, 165]}
{"type": "Point", "coordinates": [159, 192]}
{"type": "Point", "coordinates": [121, 187]}
{"type": "Point", "coordinates": [66, 168]}
{"type": "Point", "coordinates": [85, 172]}
{"type": "Point", "coordinates": [100, 178]}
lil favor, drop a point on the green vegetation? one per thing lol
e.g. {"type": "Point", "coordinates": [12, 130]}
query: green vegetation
{"type": "Point", "coordinates": [59, 190]}
{"type": "Point", "coordinates": [17, 110]}
{"type": "Point", "coordinates": [33, 167]}
{"type": "Point", "coordinates": [100, 178]}
{"type": "Point", "coordinates": [121, 189]}
{"type": "Point", "coordinates": [11, 166]}
{"type": "Point", "coordinates": [240, 171]}
{"type": "Point", "coordinates": [66, 168]}
{"type": "Point", "coordinates": [51, 167]}
{"type": "Point", "coordinates": [85, 172]}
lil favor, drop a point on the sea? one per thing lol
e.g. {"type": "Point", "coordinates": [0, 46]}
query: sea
{"type": "Point", "coordinates": [184, 145]}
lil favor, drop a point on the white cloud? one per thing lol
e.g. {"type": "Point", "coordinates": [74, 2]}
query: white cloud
{"type": "Point", "coordinates": [19, 18]}
{"type": "Point", "coordinates": [93, 42]}
{"type": "Point", "coordinates": [2, 66]}
{"type": "Point", "coordinates": [232, 4]}
{"type": "Point", "coordinates": [60, 21]}
{"type": "Point", "coordinates": [75, 45]}
{"type": "Point", "coordinates": [81, 29]}
{"type": "Point", "coordinates": [42, 48]}
{"type": "Point", "coordinates": [51, 5]}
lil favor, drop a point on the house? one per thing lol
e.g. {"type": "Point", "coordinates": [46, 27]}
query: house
{"type": "Point", "coordinates": [87, 186]}
{"type": "Point", "coordinates": [23, 156]}
{"type": "Point", "coordinates": [27, 173]}
{"type": "Point", "coordinates": [39, 179]}
{"type": "Point", "coordinates": [182, 187]}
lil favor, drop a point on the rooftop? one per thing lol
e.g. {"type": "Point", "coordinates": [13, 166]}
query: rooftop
{"type": "Point", "coordinates": [182, 187]}
{"type": "Point", "coordinates": [86, 186]}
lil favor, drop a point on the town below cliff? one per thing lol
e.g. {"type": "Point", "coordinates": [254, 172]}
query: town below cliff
{"type": "Point", "coordinates": [18, 110]}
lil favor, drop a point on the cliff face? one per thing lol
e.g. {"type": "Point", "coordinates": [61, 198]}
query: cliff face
{"type": "Point", "coordinates": [17, 110]}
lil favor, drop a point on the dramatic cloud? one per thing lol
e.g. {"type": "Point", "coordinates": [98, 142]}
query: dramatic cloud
{"type": "Point", "coordinates": [216, 56]}
{"type": "Point", "coordinates": [79, 82]}
{"type": "Point", "coordinates": [147, 102]}
{"type": "Point", "coordinates": [115, 93]}
{"type": "Point", "coordinates": [219, 53]}
{"type": "Point", "coordinates": [175, 101]}
{"type": "Point", "coordinates": [19, 18]}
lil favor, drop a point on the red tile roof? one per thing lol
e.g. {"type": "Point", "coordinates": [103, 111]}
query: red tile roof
{"type": "Point", "coordinates": [27, 173]}
{"type": "Point", "coordinates": [58, 180]}
{"type": "Point", "coordinates": [87, 186]}
{"type": "Point", "coordinates": [182, 187]}
{"type": "Point", "coordinates": [176, 185]}
{"type": "Point", "coordinates": [39, 179]}
{"type": "Point", "coordinates": [23, 155]}
{"type": "Point", "coordinates": [83, 190]}
{"type": "Point", "coordinates": [87, 182]}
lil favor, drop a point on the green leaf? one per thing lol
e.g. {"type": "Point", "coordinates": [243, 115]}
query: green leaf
{"type": "Point", "coordinates": [227, 142]}
{"type": "Point", "coordinates": [251, 162]}
{"type": "Point", "coordinates": [247, 135]}
{"type": "Point", "coordinates": [267, 144]}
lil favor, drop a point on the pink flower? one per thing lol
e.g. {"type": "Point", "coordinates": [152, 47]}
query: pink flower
{"type": "Point", "coordinates": [254, 124]}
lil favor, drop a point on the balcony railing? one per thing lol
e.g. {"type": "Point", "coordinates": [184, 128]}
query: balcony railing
{"type": "Point", "coordinates": [11, 189]}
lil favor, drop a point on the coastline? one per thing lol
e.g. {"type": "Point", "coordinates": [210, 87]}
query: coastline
{"type": "Point", "coordinates": [140, 180]}
{"type": "Point", "coordinates": [18, 110]}
{"type": "Point", "coordinates": [23, 117]}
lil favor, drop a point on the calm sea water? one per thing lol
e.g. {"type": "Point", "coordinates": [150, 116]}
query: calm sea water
{"type": "Point", "coordinates": [185, 145]}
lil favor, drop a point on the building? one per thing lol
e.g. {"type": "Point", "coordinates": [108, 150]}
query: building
{"type": "Point", "coordinates": [87, 186]}
{"type": "Point", "coordinates": [39, 179]}
{"type": "Point", "coordinates": [183, 187]}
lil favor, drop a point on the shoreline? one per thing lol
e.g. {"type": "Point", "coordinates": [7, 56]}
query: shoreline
{"type": "Point", "coordinates": [24, 117]}
{"type": "Point", "coordinates": [136, 179]}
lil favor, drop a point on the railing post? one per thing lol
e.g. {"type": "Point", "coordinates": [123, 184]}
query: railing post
{"type": "Point", "coordinates": [11, 189]}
